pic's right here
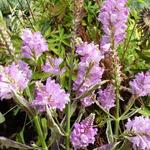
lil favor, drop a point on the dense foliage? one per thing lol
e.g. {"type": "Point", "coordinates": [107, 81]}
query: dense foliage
{"type": "Point", "coordinates": [75, 74]}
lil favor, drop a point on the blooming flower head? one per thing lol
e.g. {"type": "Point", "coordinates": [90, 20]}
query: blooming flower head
{"type": "Point", "coordinates": [86, 80]}
{"type": "Point", "coordinates": [140, 86]}
{"type": "Point", "coordinates": [52, 66]}
{"type": "Point", "coordinates": [84, 133]}
{"type": "Point", "coordinates": [140, 128]}
{"type": "Point", "coordinates": [14, 77]}
{"type": "Point", "coordinates": [113, 16]}
{"type": "Point", "coordinates": [50, 95]}
{"type": "Point", "coordinates": [33, 44]}
{"type": "Point", "coordinates": [107, 97]}
{"type": "Point", "coordinates": [89, 71]}
{"type": "Point", "coordinates": [88, 100]}
{"type": "Point", "coordinates": [91, 75]}
{"type": "Point", "coordinates": [89, 52]}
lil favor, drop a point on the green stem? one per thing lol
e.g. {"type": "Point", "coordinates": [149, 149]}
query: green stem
{"type": "Point", "coordinates": [27, 18]}
{"type": "Point", "coordinates": [68, 124]}
{"type": "Point", "coordinates": [40, 133]}
{"type": "Point", "coordinates": [127, 45]}
{"type": "Point", "coordinates": [117, 120]}
{"type": "Point", "coordinates": [117, 85]}
{"type": "Point", "coordinates": [68, 128]}
{"type": "Point", "coordinates": [69, 104]}
{"type": "Point", "coordinates": [37, 123]}
{"type": "Point", "coordinates": [18, 18]}
{"type": "Point", "coordinates": [71, 66]}
{"type": "Point", "coordinates": [30, 10]}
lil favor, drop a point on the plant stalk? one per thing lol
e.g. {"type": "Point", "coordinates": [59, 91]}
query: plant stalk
{"type": "Point", "coordinates": [117, 78]}
{"type": "Point", "coordinates": [75, 7]}
{"type": "Point", "coordinates": [68, 128]}
{"type": "Point", "coordinates": [117, 120]}
{"type": "Point", "coordinates": [37, 123]}
{"type": "Point", "coordinates": [40, 133]}
{"type": "Point", "coordinates": [69, 105]}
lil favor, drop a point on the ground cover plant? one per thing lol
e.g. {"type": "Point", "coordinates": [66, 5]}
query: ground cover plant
{"type": "Point", "coordinates": [74, 75]}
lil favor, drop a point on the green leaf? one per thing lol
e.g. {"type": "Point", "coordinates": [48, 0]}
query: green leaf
{"type": "Point", "coordinates": [23, 103]}
{"type": "Point", "coordinates": [90, 90]}
{"type": "Point", "coordinates": [145, 55]}
{"type": "Point", "coordinates": [145, 111]}
{"type": "Point", "coordinates": [20, 136]}
{"type": "Point", "coordinates": [2, 118]}
{"type": "Point", "coordinates": [130, 114]}
{"type": "Point", "coordinates": [126, 145]}
{"type": "Point", "coordinates": [51, 122]}
{"type": "Point", "coordinates": [110, 146]}
{"type": "Point", "coordinates": [40, 75]}
{"type": "Point", "coordinates": [44, 127]}
{"type": "Point", "coordinates": [73, 108]}
{"type": "Point", "coordinates": [4, 142]}
{"type": "Point", "coordinates": [6, 4]}
{"type": "Point", "coordinates": [109, 132]}
{"type": "Point", "coordinates": [101, 118]}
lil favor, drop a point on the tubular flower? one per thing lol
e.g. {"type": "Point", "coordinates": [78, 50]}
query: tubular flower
{"type": "Point", "coordinates": [141, 84]}
{"type": "Point", "coordinates": [89, 71]}
{"type": "Point", "coordinates": [107, 97]}
{"type": "Point", "coordinates": [33, 44]}
{"type": "Point", "coordinates": [84, 133]}
{"type": "Point", "coordinates": [140, 132]}
{"type": "Point", "coordinates": [91, 76]}
{"type": "Point", "coordinates": [94, 77]}
{"type": "Point", "coordinates": [89, 53]}
{"type": "Point", "coordinates": [14, 78]}
{"type": "Point", "coordinates": [50, 95]}
{"type": "Point", "coordinates": [113, 16]}
{"type": "Point", "coordinates": [52, 66]}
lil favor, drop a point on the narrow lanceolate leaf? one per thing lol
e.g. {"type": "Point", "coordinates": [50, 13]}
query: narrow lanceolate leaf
{"type": "Point", "coordinates": [145, 111]}
{"type": "Point", "coordinates": [7, 143]}
{"type": "Point", "coordinates": [40, 75]}
{"type": "Point", "coordinates": [2, 118]}
{"type": "Point", "coordinates": [130, 114]}
{"type": "Point", "coordinates": [145, 55]}
{"type": "Point", "coordinates": [110, 146]}
{"type": "Point", "coordinates": [93, 88]}
{"type": "Point", "coordinates": [109, 132]}
{"type": "Point", "coordinates": [52, 124]}
{"type": "Point", "coordinates": [126, 145]}
{"type": "Point", "coordinates": [23, 103]}
{"type": "Point", "coordinates": [44, 127]}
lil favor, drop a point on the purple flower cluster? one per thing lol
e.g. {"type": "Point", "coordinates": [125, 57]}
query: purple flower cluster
{"type": "Point", "coordinates": [14, 77]}
{"type": "Point", "coordinates": [89, 71]}
{"type": "Point", "coordinates": [140, 128]}
{"type": "Point", "coordinates": [107, 97]}
{"type": "Point", "coordinates": [84, 133]}
{"type": "Point", "coordinates": [50, 95]}
{"type": "Point", "coordinates": [113, 16]}
{"type": "Point", "coordinates": [89, 53]}
{"type": "Point", "coordinates": [52, 66]}
{"type": "Point", "coordinates": [141, 84]}
{"type": "Point", "coordinates": [33, 44]}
